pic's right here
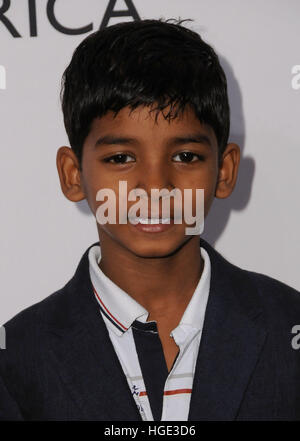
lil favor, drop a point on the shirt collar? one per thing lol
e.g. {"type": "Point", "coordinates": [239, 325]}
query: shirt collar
{"type": "Point", "coordinates": [121, 310]}
{"type": "Point", "coordinates": [195, 311]}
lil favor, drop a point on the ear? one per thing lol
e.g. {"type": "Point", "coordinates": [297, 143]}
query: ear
{"type": "Point", "coordinates": [228, 171]}
{"type": "Point", "coordinates": [68, 168]}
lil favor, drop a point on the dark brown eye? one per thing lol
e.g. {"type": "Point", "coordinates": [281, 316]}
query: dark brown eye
{"type": "Point", "coordinates": [187, 157]}
{"type": "Point", "coordinates": [120, 158]}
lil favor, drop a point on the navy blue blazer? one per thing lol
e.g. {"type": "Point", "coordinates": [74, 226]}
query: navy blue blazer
{"type": "Point", "coordinates": [59, 363]}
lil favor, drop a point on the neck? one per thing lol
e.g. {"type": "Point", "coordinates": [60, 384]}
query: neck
{"type": "Point", "coordinates": [162, 285]}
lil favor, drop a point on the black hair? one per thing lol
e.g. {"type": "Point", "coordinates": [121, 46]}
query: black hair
{"type": "Point", "coordinates": [148, 62]}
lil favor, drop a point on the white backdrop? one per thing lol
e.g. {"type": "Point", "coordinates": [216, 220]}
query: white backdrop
{"type": "Point", "coordinates": [43, 235]}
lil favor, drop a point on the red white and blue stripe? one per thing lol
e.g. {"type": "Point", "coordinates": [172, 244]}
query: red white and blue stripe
{"type": "Point", "coordinates": [124, 317]}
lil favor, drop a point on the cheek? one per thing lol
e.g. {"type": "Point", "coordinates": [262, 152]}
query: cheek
{"type": "Point", "coordinates": [110, 201]}
{"type": "Point", "coordinates": [95, 181]}
{"type": "Point", "coordinates": [205, 180]}
{"type": "Point", "coordinates": [207, 183]}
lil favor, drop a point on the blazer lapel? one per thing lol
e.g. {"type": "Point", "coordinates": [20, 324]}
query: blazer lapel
{"type": "Point", "coordinates": [85, 358]}
{"type": "Point", "coordinates": [232, 339]}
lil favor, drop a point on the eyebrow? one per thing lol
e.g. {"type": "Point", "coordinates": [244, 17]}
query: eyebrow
{"type": "Point", "coordinates": [112, 140]}
{"type": "Point", "coordinates": [197, 138]}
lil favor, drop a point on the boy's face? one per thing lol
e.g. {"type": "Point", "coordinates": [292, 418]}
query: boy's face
{"type": "Point", "coordinates": [148, 154]}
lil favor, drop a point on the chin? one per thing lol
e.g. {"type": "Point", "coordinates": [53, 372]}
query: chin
{"type": "Point", "coordinates": [155, 248]}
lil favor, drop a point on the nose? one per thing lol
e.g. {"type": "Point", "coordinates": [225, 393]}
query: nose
{"type": "Point", "coordinates": [155, 176]}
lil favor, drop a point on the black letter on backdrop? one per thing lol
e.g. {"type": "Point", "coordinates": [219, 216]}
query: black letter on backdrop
{"type": "Point", "coordinates": [5, 6]}
{"type": "Point", "coordinates": [130, 12]}
{"type": "Point", "coordinates": [32, 18]}
{"type": "Point", "coordinates": [61, 28]}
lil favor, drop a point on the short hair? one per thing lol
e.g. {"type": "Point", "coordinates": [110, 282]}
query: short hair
{"type": "Point", "coordinates": [155, 63]}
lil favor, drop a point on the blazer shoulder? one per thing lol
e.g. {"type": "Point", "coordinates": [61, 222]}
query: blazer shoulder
{"type": "Point", "coordinates": [280, 301]}
{"type": "Point", "coordinates": [27, 344]}
{"type": "Point", "coordinates": [273, 287]}
{"type": "Point", "coordinates": [23, 329]}
{"type": "Point", "coordinates": [57, 307]}
{"type": "Point", "coordinates": [239, 276]}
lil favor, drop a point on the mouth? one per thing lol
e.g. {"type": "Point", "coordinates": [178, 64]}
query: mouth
{"type": "Point", "coordinates": [150, 221]}
{"type": "Point", "coordinates": [151, 225]}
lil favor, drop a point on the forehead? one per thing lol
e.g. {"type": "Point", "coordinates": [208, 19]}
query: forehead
{"type": "Point", "coordinates": [144, 123]}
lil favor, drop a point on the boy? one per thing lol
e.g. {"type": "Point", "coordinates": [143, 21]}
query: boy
{"type": "Point", "coordinates": [152, 326]}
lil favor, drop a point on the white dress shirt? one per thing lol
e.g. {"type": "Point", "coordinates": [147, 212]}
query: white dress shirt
{"type": "Point", "coordinates": [119, 311]}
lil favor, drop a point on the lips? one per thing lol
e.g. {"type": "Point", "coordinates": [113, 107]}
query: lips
{"type": "Point", "coordinates": [148, 225]}
{"type": "Point", "coordinates": [151, 221]}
